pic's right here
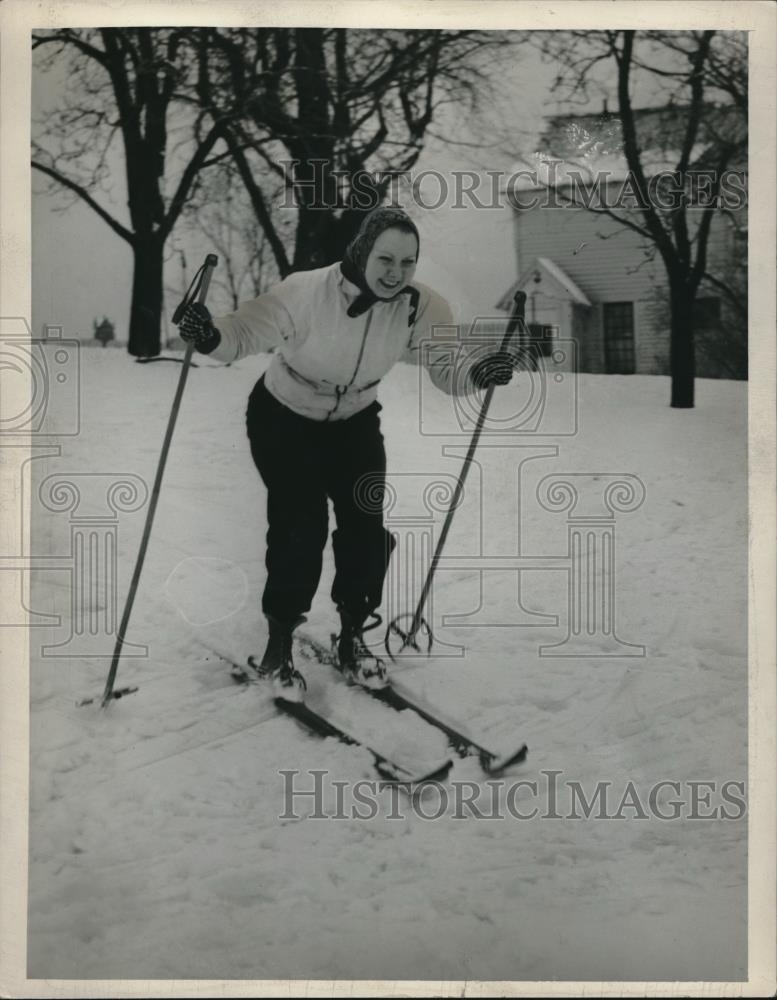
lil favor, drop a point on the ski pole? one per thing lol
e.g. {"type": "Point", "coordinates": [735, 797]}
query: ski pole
{"type": "Point", "coordinates": [408, 638]}
{"type": "Point", "coordinates": [199, 295]}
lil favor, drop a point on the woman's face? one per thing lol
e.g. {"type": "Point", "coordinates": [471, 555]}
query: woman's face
{"type": "Point", "coordinates": [391, 263]}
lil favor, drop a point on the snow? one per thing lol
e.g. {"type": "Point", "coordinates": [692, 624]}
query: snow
{"type": "Point", "coordinates": [156, 847]}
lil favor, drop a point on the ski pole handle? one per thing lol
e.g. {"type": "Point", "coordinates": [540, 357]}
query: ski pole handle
{"type": "Point", "coordinates": [207, 273]}
{"type": "Point", "coordinates": [201, 294]}
{"type": "Point", "coordinates": [197, 291]}
{"type": "Point", "coordinates": [517, 317]}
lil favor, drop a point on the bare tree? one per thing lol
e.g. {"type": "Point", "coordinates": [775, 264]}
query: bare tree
{"type": "Point", "coordinates": [706, 74]}
{"type": "Point", "coordinates": [125, 83]}
{"type": "Point", "coordinates": [334, 115]}
{"type": "Point", "coordinates": [329, 114]}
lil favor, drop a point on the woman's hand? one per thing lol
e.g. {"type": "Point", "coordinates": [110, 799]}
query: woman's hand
{"type": "Point", "coordinates": [196, 327]}
{"type": "Point", "coordinates": [494, 369]}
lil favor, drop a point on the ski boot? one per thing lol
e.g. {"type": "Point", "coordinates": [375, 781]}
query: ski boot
{"type": "Point", "coordinates": [277, 662]}
{"type": "Point", "coordinates": [357, 664]}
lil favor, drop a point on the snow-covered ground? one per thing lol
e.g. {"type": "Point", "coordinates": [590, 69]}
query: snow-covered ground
{"type": "Point", "coordinates": [156, 847]}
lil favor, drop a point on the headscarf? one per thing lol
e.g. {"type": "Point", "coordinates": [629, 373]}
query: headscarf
{"type": "Point", "coordinates": [359, 249]}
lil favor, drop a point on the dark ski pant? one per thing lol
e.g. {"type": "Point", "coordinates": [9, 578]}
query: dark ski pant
{"type": "Point", "coordinates": [303, 463]}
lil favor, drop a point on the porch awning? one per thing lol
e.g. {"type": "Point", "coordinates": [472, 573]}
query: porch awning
{"type": "Point", "coordinates": [559, 277]}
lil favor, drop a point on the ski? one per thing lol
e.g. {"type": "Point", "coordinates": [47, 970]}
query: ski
{"type": "Point", "coordinates": [318, 724]}
{"type": "Point", "coordinates": [465, 746]}
{"type": "Point", "coordinates": [393, 696]}
{"type": "Point", "coordinates": [388, 769]}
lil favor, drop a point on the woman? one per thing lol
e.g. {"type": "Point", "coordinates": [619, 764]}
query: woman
{"type": "Point", "coordinates": [314, 427]}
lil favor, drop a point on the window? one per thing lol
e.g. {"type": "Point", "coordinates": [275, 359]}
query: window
{"type": "Point", "coordinates": [619, 338]}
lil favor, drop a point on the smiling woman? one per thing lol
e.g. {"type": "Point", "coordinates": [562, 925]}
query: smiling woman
{"type": "Point", "coordinates": [392, 262]}
{"type": "Point", "coordinates": [314, 427]}
{"type": "Point", "coordinates": [382, 259]}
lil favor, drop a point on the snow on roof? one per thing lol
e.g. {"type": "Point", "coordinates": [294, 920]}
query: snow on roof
{"type": "Point", "coordinates": [575, 291]}
{"type": "Point", "coordinates": [584, 149]}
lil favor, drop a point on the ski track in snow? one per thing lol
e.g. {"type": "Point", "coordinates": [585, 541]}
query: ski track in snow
{"type": "Point", "coordinates": [156, 847]}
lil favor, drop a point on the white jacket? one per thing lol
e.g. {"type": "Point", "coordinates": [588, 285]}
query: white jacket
{"type": "Point", "coordinates": [326, 364]}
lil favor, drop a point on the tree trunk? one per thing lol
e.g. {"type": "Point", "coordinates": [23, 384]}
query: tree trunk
{"type": "Point", "coordinates": [316, 241]}
{"type": "Point", "coordinates": [145, 339]}
{"type": "Point", "coordinates": [682, 350]}
{"type": "Point", "coordinates": [321, 237]}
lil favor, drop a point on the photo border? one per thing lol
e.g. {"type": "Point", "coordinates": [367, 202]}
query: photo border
{"type": "Point", "coordinates": [17, 19]}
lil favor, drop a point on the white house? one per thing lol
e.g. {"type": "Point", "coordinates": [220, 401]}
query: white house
{"type": "Point", "coordinates": [589, 277]}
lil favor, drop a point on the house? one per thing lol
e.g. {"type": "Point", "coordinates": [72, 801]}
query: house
{"type": "Point", "coordinates": [589, 277]}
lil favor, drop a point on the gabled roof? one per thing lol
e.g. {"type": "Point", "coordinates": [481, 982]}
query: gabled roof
{"type": "Point", "coordinates": [557, 273]}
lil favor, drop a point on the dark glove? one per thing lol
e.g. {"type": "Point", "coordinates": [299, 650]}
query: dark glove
{"type": "Point", "coordinates": [494, 369]}
{"type": "Point", "coordinates": [196, 327]}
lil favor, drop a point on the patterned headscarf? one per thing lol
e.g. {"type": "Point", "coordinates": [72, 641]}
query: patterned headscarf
{"type": "Point", "coordinates": [359, 249]}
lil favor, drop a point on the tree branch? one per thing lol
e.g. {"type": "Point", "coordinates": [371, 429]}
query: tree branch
{"type": "Point", "coordinates": [193, 167]}
{"type": "Point", "coordinates": [632, 152]}
{"type": "Point", "coordinates": [738, 300]}
{"type": "Point", "coordinates": [259, 206]}
{"type": "Point", "coordinates": [69, 38]}
{"type": "Point", "coordinates": [84, 195]}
